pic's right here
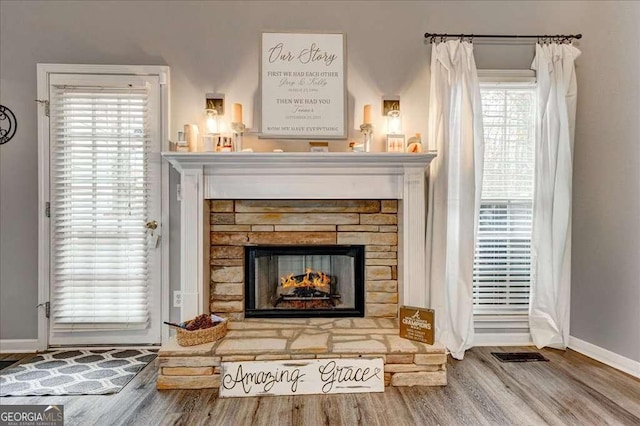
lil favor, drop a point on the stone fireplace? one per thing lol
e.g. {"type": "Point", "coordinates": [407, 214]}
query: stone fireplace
{"type": "Point", "coordinates": [336, 235]}
{"type": "Point", "coordinates": [235, 200]}
{"type": "Point", "coordinates": [355, 242]}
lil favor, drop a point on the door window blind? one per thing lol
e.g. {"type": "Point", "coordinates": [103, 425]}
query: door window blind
{"type": "Point", "coordinates": [503, 249]}
{"type": "Point", "coordinates": [99, 151]}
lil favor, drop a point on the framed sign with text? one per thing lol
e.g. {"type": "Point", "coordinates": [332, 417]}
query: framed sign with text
{"type": "Point", "coordinates": [303, 91]}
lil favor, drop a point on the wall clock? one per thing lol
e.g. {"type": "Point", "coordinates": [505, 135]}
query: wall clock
{"type": "Point", "coordinates": [8, 124]}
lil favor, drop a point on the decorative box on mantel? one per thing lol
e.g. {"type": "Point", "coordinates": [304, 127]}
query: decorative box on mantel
{"type": "Point", "coordinates": [272, 176]}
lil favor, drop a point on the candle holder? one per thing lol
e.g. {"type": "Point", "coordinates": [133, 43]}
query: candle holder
{"type": "Point", "coordinates": [367, 132]}
{"type": "Point", "coordinates": [238, 130]}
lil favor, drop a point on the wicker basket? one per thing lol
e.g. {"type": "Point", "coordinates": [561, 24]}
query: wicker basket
{"type": "Point", "coordinates": [198, 337]}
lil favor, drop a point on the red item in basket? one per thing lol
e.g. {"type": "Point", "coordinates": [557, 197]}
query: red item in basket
{"type": "Point", "coordinates": [199, 323]}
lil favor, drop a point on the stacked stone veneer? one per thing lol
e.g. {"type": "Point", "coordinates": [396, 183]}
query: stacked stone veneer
{"type": "Point", "coordinates": [406, 363]}
{"type": "Point", "coordinates": [237, 223]}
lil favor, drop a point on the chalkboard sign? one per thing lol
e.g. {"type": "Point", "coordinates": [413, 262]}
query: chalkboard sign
{"type": "Point", "coordinates": [302, 80]}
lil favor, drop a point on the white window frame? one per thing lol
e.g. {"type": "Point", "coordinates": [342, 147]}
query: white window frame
{"type": "Point", "coordinates": [504, 330]}
{"type": "Point", "coordinates": [44, 229]}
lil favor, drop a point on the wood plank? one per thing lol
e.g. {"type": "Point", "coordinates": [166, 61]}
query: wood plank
{"type": "Point", "coordinates": [301, 377]}
{"type": "Point", "coordinates": [622, 388]}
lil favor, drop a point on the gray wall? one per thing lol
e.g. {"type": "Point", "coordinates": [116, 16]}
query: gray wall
{"type": "Point", "coordinates": [213, 47]}
{"type": "Point", "coordinates": [605, 296]}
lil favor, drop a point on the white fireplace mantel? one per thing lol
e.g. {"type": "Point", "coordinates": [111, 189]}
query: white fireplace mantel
{"type": "Point", "coordinates": [299, 175]}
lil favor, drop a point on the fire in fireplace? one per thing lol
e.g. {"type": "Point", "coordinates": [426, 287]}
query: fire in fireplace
{"type": "Point", "coordinates": [304, 281]}
{"type": "Point", "coordinates": [309, 291]}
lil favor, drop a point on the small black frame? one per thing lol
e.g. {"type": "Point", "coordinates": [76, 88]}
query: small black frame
{"type": "Point", "coordinates": [250, 254]}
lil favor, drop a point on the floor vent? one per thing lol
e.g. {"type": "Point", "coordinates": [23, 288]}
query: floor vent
{"type": "Point", "coordinates": [518, 356]}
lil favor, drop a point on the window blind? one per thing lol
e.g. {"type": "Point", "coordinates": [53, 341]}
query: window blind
{"type": "Point", "coordinates": [502, 267]}
{"type": "Point", "coordinates": [99, 151]}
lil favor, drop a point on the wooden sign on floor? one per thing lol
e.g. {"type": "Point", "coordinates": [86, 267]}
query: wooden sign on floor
{"type": "Point", "coordinates": [301, 377]}
{"type": "Point", "coordinates": [417, 324]}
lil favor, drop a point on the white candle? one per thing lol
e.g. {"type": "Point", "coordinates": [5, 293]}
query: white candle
{"type": "Point", "coordinates": [366, 114]}
{"type": "Point", "coordinates": [191, 136]}
{"type": "Point", "coordinates": [237, 113]}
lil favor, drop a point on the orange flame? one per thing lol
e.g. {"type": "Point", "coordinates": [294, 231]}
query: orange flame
{"type": "Point", "coordinates": [319, 280]}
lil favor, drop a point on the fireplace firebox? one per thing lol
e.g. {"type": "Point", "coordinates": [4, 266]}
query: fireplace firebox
{"type": "Point", "coordinates": [304, 281]}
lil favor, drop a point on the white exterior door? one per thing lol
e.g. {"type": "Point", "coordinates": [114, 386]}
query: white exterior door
{"type": "Point", "coordinates": [105, 209]}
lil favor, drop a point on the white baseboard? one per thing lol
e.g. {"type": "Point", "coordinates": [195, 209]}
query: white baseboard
{"type": "Point", "coordinates": [502, 339]}
{"type": "Point", "coordinates": [605, 356]}
{"type": "Point", "coordinates": [18, 346]}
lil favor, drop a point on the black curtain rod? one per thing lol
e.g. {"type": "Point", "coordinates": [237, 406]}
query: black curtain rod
{"type": "Point", "coordinates": [472, 36]}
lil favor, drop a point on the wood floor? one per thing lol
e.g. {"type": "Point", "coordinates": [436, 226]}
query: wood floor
{"type": "Point", "coordinates": [570, 390]}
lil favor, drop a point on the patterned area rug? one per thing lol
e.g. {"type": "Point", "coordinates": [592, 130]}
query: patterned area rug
{"type": "Point", "coordinates": [5, 364]}
{"type": "Point", "coordinates": [75, 372]}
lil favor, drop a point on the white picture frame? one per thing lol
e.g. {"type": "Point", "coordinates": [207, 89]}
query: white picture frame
{"type": "Point", "coordinates": [318, 146]}
{"type": "Point", "coordinates": [396, 143]}
{"type": "Point", "coordinates": [303, 85]}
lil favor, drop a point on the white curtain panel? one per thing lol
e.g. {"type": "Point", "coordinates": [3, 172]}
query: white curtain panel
{"type": "Point", "coordinates": [551, 234]}
{"type": "Point", "coordinates": [455, 182]}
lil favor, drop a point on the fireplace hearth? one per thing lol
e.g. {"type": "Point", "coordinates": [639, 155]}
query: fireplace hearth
{"type": "Point", "coordinates": [304, 281]}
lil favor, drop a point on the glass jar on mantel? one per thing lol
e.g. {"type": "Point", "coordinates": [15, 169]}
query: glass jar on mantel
{"type": "Point", "coordinates": [238, 130]}
{"type": "Point", "coordinates": [367, 138]}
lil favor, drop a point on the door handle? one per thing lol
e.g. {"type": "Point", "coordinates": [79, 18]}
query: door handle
{"type": "Point", "coordinates": [152, 224]}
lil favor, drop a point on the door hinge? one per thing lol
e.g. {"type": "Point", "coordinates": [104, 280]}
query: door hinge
{"type": "Point", "coordinates": [47, 209]}
{"type": "Point", "coordinates": [46, 106]}
{"type": "Point", "coordinates": [47, 308]}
